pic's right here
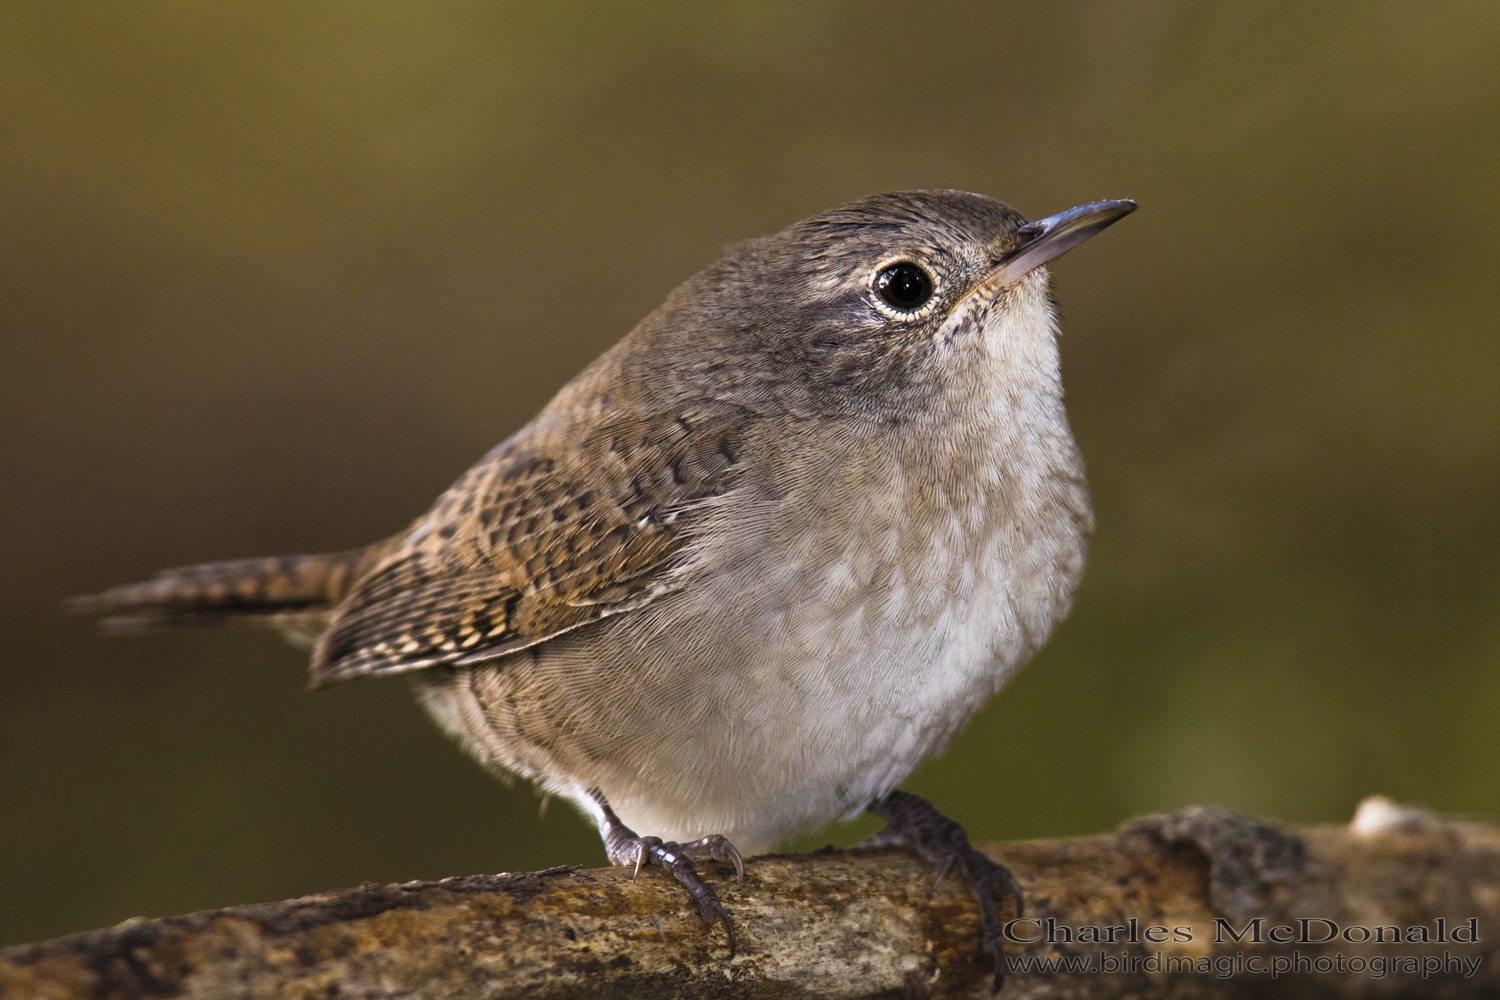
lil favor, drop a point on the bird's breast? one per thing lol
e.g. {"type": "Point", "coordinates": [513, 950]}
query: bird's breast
{"type": "Point", "coordinates": [885, 597]}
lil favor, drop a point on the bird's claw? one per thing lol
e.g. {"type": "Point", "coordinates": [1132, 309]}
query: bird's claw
{"type": "Point", "coordinates": [625, 846]}
{"type": "Point", "coordinates": [914, 822]}
{"type": "Point", "coordinates": [717, 847]}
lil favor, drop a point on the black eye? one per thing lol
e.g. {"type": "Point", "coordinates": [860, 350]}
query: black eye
{"type": "Point", "coordinates": [904, 286]}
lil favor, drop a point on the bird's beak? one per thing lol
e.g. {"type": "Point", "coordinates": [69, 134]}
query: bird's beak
{"type": "Point", "coordinates": [1045, 240]}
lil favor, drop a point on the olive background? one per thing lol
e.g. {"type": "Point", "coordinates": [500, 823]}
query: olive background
{"type": "Point", "coordinates": [272, 276]}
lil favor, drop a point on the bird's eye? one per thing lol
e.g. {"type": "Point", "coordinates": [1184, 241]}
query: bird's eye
{"type": "Point", "coordinates": [904, 286]}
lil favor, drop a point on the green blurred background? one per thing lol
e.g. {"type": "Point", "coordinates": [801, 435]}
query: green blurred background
{"type": "Point", "coordinates": [272, 276]}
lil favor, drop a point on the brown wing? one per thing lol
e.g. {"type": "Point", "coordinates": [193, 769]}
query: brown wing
{"type": "Point", "coordinates": [531, 544]}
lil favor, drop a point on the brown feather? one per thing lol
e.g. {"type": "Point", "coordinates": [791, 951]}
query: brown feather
{"type": "Point", "coordinates": [532, 543]}
{"type": "Point", "coordinates": [280, 592]}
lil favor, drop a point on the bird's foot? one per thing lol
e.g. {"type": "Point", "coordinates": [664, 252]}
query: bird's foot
{"type": "Point", "coordinates": [625, 847]}
{"type": "Point", "coordinates": [912, 821]}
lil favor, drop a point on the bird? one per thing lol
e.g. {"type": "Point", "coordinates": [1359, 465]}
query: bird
{"type": "Point", "coordinates": [755, 563]}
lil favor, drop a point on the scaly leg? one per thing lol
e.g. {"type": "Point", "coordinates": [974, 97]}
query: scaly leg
{"type": "Point", "coordinates": [625, 847]}
{"type": "Point", "coordinates": [912, 821]}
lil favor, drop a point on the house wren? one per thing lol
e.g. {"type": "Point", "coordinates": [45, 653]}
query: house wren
{"type": "Point", "coordinates": [756, 563]}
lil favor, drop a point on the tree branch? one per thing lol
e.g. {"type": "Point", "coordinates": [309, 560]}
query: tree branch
{"type": "Point", "coordinates": [845, 924]}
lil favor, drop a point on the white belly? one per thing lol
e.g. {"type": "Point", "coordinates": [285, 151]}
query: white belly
{"type": "Point", "coordinates": [835, 698]}
{"type": "Point", "coordinates": [803, 673]}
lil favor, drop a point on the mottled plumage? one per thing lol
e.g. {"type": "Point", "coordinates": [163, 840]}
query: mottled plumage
{"type": "Point", "coordinates": [754, 564]}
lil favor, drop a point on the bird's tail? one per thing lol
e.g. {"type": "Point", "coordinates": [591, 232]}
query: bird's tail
{"type": "Point", "coordinates": [294, 593]}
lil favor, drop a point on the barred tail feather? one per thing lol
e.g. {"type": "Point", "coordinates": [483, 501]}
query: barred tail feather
{"type": "Point", "coordinates": [291, 592]}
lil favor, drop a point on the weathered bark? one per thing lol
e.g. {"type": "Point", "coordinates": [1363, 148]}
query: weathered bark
{"type": "Point", "coordinates": [844, 924]}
